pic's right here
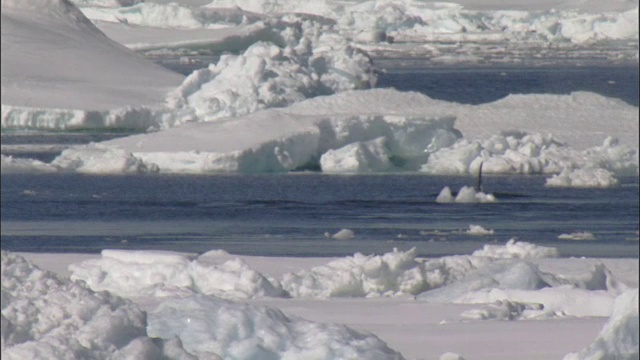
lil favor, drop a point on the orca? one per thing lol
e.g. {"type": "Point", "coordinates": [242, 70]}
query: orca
{"type": "Point", "coordinates": [478, 186]}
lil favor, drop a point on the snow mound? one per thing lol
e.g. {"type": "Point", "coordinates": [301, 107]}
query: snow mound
{"type": "Point", "coordinates": [392, 274]}
{"type": "Point", "coordinates": [584, 178]}
{"type": "Point", "coordinates": [216, 329]}
{"type": "Point", "coordinates": [152, 273]}
{"type": "Point", "coordinates": [618, 339]}
{"type": "Point", "coordinates": [44, 316]}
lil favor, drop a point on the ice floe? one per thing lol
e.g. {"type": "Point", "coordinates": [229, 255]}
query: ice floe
{"type": "Point", "coordinates": [619, 337]}
{"type": "Point", "coordinates": [214, 328]}
{"type": "Point", "coordinates": [44, 316]}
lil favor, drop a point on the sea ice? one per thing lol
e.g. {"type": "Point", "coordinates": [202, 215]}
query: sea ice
{"type": "Point", "coordinates": [465, 195]}
{"type": "Point", "coordinates": [47, 317]}
{"type": "Point", "coordinates": [516, 249]}
{"type": "Point", "coordinates": [478, 230]}
{"type": "Point", "coordinates": [392, 274]}
{"type": "Point", "coordinates": [584, 178]}
{"type": "Point", "coordinates": [51, 55]}
{"type": "Point", "coordinates": [583, 235]}
{"type": "Point", "coordinates": [215, 328]}
{"type": "Point", "coordinates": [618, 339]}
{"type": "Point", "coordinates": [344, 234]}
{"type": "Point", "coordinates": [160, 274]}
{"type": "Point", "coordinates": [10, 164]}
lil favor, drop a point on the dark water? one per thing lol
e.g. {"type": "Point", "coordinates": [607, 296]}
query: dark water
{"type": "Point", "coordinates": [290, 214]}
{"type": "Point", "coordinates": [482, 85]}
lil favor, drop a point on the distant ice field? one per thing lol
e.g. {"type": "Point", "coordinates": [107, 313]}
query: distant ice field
{"type": "Point", "coordinates": [466, 85]}
{"type": "Point", "coordinates": [298, 214]}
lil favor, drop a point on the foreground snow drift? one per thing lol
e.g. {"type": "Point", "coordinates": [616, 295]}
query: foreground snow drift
{"type": "Point", "coordinates": [58, 318]}
{"type": "Point", "coordinates": [46, 317]}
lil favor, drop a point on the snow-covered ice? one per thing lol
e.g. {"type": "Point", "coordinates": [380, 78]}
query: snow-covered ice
{"type": "Point", "coordinates": [455, 294]}
{"type": "Point", "coordinates": [619, 337]}
{"type": "Point", "coordinates": [46, 316]}
{"type": "Point", "coordinates": [54, 58]}
{"type": "Point", "coordinates": [296, 83]}
{"type": "Point", "coordinates": [296, 76]}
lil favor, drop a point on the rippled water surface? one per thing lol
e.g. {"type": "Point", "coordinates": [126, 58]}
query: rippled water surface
{"type": "Point", "coordinates": [293, 214]}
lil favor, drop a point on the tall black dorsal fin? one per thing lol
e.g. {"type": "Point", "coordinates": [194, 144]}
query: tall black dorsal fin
{"type": "Point", "coordinates": [479, 184]}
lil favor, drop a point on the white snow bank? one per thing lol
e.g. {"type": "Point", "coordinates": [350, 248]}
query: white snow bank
{"type": "Point", "coordinates": [46, 317]}
{"type": "Point", "coordinates": [153, 273]}
{"type": "Point", "coordinates": [587, 177]}
{"type": "Point", "coordinates": [214, 328]}
{"type": "Point", "coordinates": [54, 58]}
{"type": "Point", "coordinates": [618, 339]}
{"type": "Point", "coordinates": [465, 195]}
